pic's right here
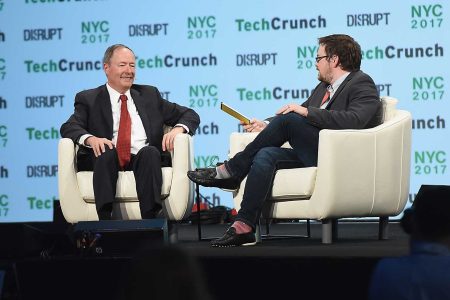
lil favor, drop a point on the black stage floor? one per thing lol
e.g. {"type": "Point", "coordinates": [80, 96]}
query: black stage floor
{"type": "Point", "coordinates": [277, 268]}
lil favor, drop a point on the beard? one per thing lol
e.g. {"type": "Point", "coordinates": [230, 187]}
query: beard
{"type": "Point", "coordinates": [324, 77]}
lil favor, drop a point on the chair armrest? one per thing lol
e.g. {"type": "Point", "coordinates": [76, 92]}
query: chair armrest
{"type": "Point", "coordinates": [376, 160]}
{"type": "Point", "coordinates": [72, 204]}
{"type": "Point", "coordinates": [181, 195]}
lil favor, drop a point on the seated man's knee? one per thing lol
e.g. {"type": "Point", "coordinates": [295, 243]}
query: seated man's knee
{"type": "Point", "coordinates": [149, 151]}
{"type": "Point", "coordinates": [109, 156]}
{"type": "Point", "coordinates": [265, 156]}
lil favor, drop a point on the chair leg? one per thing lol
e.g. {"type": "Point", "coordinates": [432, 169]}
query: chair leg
{"type": "Point", "coordinates": [329, 231]}
{"type": "Point", "coordinates": [258, 232]}
{"type": "Point", "coordinates": [173, 232]}
{"type": "Point", "coordinates": [383, 230]}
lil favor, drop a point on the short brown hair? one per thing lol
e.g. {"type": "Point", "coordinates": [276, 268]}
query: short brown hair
{"type": "Point", "coordinates": [346, 48]}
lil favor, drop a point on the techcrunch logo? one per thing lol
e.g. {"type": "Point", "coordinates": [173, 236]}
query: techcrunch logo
{"type": "Point", "coordinates": [3, 103]}
{"type": "Point", "coordinates": [40, 204]}
{"type": "Point", "coordinates": [276, 93]}
{"type": "Point", "coordinates": [391, 52]}
{"type": "Point", "coordinates": [63, 65]}
{"type": "Point", "coordinates": [170, 61]}
{"type": "Point", "coordinates": [431, 123]}
{"type": "Point", "coordinates": [280, 24]}
{"type": "Point", "coordinates": [46, 134]}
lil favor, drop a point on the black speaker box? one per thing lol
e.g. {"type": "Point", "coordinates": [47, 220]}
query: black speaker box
{"type": "Point", "coordinates": [119, 237]}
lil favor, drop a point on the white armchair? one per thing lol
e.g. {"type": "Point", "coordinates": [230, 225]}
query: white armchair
{"type": "Point", "coordinates": [360, 173]}
{"type": "Point", "coordinates": [76, 193]}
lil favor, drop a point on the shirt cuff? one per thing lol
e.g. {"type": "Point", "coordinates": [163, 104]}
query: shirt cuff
{"type": "Point", "coordinates": [184, 126]}
{"type": "Point", "coordinates": [83, 138]}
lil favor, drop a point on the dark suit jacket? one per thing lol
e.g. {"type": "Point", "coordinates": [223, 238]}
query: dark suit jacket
{"type": "Point", "coordinates": [93, 114]}
{"type": "Point", "coordinates": [355, 105]}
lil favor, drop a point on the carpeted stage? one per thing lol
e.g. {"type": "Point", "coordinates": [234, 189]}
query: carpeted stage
{"type": "Point", "coordinates": [45, 264]}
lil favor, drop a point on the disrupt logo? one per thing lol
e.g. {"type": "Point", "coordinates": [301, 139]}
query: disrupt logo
{"type": "Point", "coordinates": [169, 61]}
{"type": "Point", "coordinates": [147, 29]}
{"type": "Point", "coordinates": [373, 19]}
{"type": "Point", "coordinates": [276, 93]}
{"type": "Point", "coordinates": [384, 89]}
{"type": "Point", "coordinates": [165, 95]}
{"type": "Point", "coordinates": [44, 101]}
{"type": "Point", "coordinates": [44, 34]}
{"type": "Point", "coordinates": [280, 24]}
{"type": "Point", "coordinates": [3, 103]}
{"type": "Point", "coordinates": [42, 171]}
{"type": "Point", "coordinates": [256, 59]}
{"type": "Point", "coordinates": [63, 65]}
{"type": "Point", "coordinates": [410, 52]}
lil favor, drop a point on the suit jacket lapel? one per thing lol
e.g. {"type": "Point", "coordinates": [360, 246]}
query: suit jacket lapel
{"type": "Point", "coordinates": [140, 106]}
{"type": "Point", "coordinates": [341, 87]}
{"type": "Point", "coordinates": [106, 111]}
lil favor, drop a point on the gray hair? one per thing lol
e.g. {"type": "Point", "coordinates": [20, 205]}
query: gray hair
{"type": "Point", "coordinates": [110, 51]}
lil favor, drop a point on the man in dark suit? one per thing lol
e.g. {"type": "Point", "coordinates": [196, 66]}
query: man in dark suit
{"type": "Point", "coordinates": [346, 98]}
{"type": "Point", "coordinates": [119, 126]}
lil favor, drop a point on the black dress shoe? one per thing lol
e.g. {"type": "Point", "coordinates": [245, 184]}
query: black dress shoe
{"type": "Point", "coordinates": [232, 239]}
{"type": "Point", "coordinates": [207, 177]}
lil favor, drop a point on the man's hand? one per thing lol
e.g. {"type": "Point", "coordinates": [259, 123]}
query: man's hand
{"type": "Point", "coordinates": [169, 138]}
{"type": "Point", "coordinates": [293, 107]}
{"type": "Point", "coordinates": [98, 144]}
{"type": "Point", "coordinates": [254, 126]}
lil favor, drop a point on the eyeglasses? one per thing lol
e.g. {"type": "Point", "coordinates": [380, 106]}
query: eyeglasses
{"type": "Point", "coordinates": [318, 58]}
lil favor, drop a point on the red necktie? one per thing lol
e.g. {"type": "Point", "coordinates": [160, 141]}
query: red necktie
{"type": "Point", "coordinates": [123, 144]}
{"type": "Point", "coordinates": [325, 97]}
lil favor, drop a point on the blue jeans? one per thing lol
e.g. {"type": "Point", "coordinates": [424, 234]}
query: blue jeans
{"type": "Point", "coordinates": [262, 157]}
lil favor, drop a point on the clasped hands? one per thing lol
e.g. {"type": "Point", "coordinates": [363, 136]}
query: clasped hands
{"type": "Point", "coordinates": [257, 125]}
{"type": "Point", "coordinates": [98, 144]}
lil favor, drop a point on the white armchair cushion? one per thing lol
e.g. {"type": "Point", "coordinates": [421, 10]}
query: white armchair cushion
{"type": "Point", "coordinates": [126, 186]}
{"type": "Point", "coordinates": [294, 184]}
